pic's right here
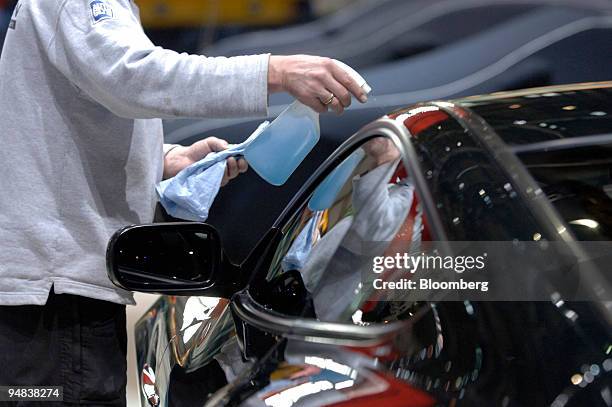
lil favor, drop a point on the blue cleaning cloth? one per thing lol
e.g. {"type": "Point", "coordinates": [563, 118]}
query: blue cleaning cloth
{"type": "Point", "coordinates": [190, 193]}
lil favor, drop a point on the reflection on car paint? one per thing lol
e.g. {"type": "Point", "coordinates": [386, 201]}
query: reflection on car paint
{"type": "Point", "coordinates": [197, 310]}
{"type": "Point", "coordinates": [148, 385]}
{"type": "Point", "coordinates": [323, 375]}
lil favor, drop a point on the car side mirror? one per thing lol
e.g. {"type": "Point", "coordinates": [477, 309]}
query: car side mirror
{"type": "Point", "coordinates": [172, 258]}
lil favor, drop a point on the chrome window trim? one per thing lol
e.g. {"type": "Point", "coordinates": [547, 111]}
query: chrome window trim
{"type": "Point", "coordinates": [310, 330]}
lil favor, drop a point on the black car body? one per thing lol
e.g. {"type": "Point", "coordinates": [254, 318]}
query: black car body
{"type": "Point", "coordinates": [298, 323]}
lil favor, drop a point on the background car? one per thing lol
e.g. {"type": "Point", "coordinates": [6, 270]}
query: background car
{"type": "Point", "coordinates": [374, 32]}
{"type": "Point", "coordinates": [297, 321]}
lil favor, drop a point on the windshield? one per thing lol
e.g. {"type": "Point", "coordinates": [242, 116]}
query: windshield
{"type": "Point", "coordinates": [564, 138]}
{"type": "Point", "coordinates": [578, 182]}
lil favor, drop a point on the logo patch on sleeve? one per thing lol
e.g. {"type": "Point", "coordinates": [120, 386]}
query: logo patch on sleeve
{"type": "Point", "coordinates": [100, 10]}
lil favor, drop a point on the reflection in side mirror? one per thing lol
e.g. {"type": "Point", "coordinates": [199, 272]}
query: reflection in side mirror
{"type": "Point", "coordinates": [171, 258]}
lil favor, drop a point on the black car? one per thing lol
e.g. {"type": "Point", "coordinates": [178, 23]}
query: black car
{"type": "Point", "coordinates": [324, 310]}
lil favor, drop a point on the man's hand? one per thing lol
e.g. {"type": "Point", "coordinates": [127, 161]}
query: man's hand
{"type": "Point", "coordinates": [382, 150]}
{"type": "Point", "coordinates": [181, 157]}
{"type": "Point", "coordinates": [313, 80]}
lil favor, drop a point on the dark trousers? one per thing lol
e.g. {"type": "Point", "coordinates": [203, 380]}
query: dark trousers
{"type": "Point", "coordinates": [75, 342]}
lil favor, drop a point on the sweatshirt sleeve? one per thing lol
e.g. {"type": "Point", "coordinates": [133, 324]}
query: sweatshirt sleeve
{"type": "Point", "coordinates": [100, 46]}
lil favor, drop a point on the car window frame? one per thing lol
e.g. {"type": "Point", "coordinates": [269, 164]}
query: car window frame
{"type": "Point", "coordinates": [251, 312]}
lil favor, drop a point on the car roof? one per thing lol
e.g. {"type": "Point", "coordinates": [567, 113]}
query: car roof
{"type": "Point", "coordinates": [558, 114]}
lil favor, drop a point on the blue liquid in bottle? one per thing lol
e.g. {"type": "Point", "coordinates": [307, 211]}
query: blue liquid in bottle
{"type": "Point", "coordinates": [283, 145]}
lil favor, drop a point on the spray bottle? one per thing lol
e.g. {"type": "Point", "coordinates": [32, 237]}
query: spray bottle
{"type": "Point", "coordinates": [282, 145]}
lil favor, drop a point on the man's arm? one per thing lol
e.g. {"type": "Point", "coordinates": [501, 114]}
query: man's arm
{"type": "Point", "coordinates": [113, 61]}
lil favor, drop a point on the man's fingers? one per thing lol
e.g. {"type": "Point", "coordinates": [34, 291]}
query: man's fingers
{"type": "Point", "coordinates": [197, 150]}
{"type": "Point", "coordinates": [330, 101]}
{"type": "Point", "coordinates": [243, 166]}
{"type": "Point", "coordinates": [336, 106]}
{"type": "Point", "coordinates": [341, 94]}
{"type": "Point", "coordinates": [232, 168]}
{"type": "Point", "coordinates": [315, 104]}
{"type": "Point", "coordinates": [349, 83]}
{"type": "Point", "coordinates": [304, 76]}
{"type": "Point", "coordinates": [216, 144]}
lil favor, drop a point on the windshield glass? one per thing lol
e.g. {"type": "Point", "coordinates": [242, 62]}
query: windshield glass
{"type": "Point", "coordinates": [578, 182]}
{"type": "Point", "coordinates": [564, 138]}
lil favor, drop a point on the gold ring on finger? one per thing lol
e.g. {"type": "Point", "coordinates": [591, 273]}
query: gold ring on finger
{"type": "Point", "coordinates": [328, 101]}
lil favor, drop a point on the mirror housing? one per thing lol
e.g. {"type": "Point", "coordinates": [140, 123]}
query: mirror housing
{"type": "Point", "coordinates": [184, 258]}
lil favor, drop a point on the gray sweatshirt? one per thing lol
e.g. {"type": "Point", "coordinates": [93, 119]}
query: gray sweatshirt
{"type": "Point", "coordinates": [82, 91]}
